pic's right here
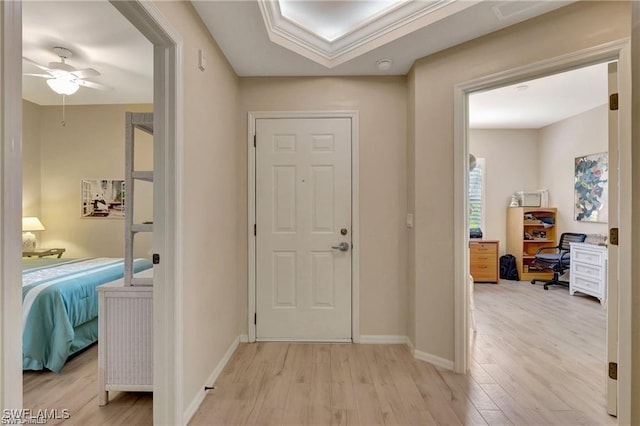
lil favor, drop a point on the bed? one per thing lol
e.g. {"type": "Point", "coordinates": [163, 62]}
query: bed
{"type": "Point", "coordinates": [60, 306]}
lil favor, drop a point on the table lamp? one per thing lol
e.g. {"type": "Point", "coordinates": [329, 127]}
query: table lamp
{"type": "Point", "coordinates": [30, 224]}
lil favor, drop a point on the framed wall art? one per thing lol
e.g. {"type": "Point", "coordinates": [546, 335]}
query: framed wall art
{"type": "Point", "coordinates": [102, 198]}
{"type": "Point", "coordinates": [592, 188]}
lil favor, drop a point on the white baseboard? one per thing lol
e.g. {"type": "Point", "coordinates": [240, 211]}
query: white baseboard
{"type": "Point", "coordinates": [422, 356]}
{"type": "Point", "coordinates": [411, 347]}
{"type": "Point", "coordinates": [195, 404]}
{"type": "Point", "coordinates": [382, 339]}
{"type": "Point", "coordinates": [244, 338]}
{"type": "Point", "coordinates": [433, 359]}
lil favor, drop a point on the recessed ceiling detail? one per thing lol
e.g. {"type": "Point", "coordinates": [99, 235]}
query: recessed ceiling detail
{"type": "Point", "coordinates": [333, 32]}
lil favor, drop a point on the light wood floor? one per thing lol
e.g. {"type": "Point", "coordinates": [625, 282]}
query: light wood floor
{"type": "Point", "coordinates": [76, 389]}
{"type": "Point", "coordinates": [537, 359]}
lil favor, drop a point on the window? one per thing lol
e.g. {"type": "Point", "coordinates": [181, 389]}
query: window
{"type": "Point", "coordinates": [476, 195]}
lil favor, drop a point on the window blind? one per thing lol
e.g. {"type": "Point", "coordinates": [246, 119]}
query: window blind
{"type": "Point", "coordinates": [475, 196]}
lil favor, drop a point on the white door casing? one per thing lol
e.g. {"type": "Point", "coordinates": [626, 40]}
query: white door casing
{"type": "Point", "coordinates": [303, 209]}
{"type": "Point", "coordinates": [612, 255]}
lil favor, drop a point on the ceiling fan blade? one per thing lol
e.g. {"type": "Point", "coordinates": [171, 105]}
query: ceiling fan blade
{"type": "Point", "coordinates": [39, 75]}
{"type": "Point", "coordinates": [91, 84]}
{"type": "Point", "coordinates": [42, 67]}
{"type": "Point", "coordinates": [60, 66]}
{"type": "Point", "coordinates": [85, 73]}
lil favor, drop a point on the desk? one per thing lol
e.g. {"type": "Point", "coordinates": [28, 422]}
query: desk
{"type": "Point", "coordinates": [41, 252]}
{"type": "Point", "coordinates": [483, 260]}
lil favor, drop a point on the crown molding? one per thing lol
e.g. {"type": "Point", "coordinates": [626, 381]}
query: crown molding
{"type": "Point", "coordinates": [380, 29]}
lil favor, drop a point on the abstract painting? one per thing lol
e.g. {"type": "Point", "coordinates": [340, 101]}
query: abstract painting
{"type": "Point", "coordinates": [592, 187]}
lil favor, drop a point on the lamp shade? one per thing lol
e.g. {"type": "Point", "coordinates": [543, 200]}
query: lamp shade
{"type": "Point", "coordinates": [62, 86]}
{"type": "Point", "coordinates": [31, 223]}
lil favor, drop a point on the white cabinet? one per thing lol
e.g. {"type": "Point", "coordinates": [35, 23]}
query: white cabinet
{"type": "Point", "coordinates": [588, 270]}
{"type": "Point", "coordinates": [125, 327]}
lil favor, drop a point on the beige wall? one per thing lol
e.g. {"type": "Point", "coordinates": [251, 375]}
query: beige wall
{"type": "Point", "coordinates": [210, 192]}
{"type": "Point", "coordinates": [560, 144]}
{"type": "Point", "coordinates": [382, 104]}
{"type": "Point", "coordinates": [578, 26]}
{"type": "Point", "coordinates": [511, 165]}
{"type": "Point", "coordinates": [30, 159]}
{"type": "Point", "coordinates": [91, 145]}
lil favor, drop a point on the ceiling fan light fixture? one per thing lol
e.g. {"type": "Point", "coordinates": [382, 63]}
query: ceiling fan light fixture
{"type": "Point", "coordinates": [62, 86]}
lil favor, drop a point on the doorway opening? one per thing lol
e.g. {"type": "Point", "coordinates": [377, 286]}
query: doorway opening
{"type": "Point", "coordinates": [618, 51]}
{"type": "Point", "coordinates": [167, 154]}
{"type": "Point", "coordinates": [533, 137]}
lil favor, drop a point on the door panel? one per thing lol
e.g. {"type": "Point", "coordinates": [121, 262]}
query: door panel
{"type": "Point", "coordinates": [303, 201]}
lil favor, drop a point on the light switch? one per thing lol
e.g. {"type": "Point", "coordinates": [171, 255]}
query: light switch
{"type": "Point", "coordinates": [409, 220]}
{"type": "Point", "coordinates": [202, 61]}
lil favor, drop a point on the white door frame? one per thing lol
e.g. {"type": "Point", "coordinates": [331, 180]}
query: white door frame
{"type": "Point", "coordinates": [355, 212]}
{"type": "Point", "coordinates": [11, 205]}
{"type": "Point", "coordinates": [620, 51]}
{"type": "Point", "coordinates": [168, 133]}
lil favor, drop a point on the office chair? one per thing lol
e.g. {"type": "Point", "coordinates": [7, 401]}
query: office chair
{"type": "Point", "coordinates": [558, 261]}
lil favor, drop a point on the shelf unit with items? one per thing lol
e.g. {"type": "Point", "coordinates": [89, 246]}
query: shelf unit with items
{"type": "Point", "coordinates": [528, 230]}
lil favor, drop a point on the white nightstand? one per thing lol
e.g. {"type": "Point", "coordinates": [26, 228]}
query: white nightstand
{"type": "Point", "coordinates": [41, 252]}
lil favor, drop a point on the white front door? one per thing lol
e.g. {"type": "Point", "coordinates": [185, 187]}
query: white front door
{"type": "Point", "coordinates": [303, 214]}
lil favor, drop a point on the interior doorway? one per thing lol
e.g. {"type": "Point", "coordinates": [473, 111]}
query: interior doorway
{"type": "Point", "coordinates": [538, 134]}
{"type": "Point", "coordinates": [607, 53]}
{"type": "Point", "coordinates": [167, 144]}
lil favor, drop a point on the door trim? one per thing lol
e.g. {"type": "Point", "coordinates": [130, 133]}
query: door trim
{"type": "Point", "coordinates": [11, 205]}
{"type": "Point", "coordinates": [168, 89]}
{"type": "Point", "coordinates": [355, 211]}
{"type": "Point", "coordinates": [616, 50]}
{"type": "Point", "coordinates": [168, 95]}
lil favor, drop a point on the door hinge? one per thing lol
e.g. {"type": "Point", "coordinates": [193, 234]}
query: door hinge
{"type": "Point", "coordinates": [254, 229]}
{"type": "Point", "coordinates": [613, 236]}
{"type": "Point", "coordinates": [155, 259]}
{"type": "Point", "coordinates": [255, 319]}
{"type": "Point", "coordinates": [254, 141]}
{"type": "Point", "coordinates": [613, 102]}
{"type": "Point", "coordinates": [613, 370]}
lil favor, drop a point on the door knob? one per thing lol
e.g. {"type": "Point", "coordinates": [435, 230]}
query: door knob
{"type": "Point", "coordinates": [342, 246]}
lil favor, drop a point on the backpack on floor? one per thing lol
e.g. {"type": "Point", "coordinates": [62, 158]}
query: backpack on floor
{"type": "Point", "coordinates": [509, 268]}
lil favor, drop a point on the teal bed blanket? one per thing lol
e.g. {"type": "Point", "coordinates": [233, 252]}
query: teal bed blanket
{"type": "Point", "coordinates": [60, 306]}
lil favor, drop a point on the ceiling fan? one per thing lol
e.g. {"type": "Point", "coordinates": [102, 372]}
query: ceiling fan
{"type": "Point", "coordinates": [63, 78]}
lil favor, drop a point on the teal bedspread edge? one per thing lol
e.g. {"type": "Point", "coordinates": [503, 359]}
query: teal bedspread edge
{"type": "Point", "coordinates": [63, 318]}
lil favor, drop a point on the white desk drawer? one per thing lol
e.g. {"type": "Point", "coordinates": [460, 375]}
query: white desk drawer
{"type": "Point", "coordinates": [586, 283]}
{"type": "Point", "coordinates": [587, 256]}
{"type": "Point", "coordinates": [588, 270]}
